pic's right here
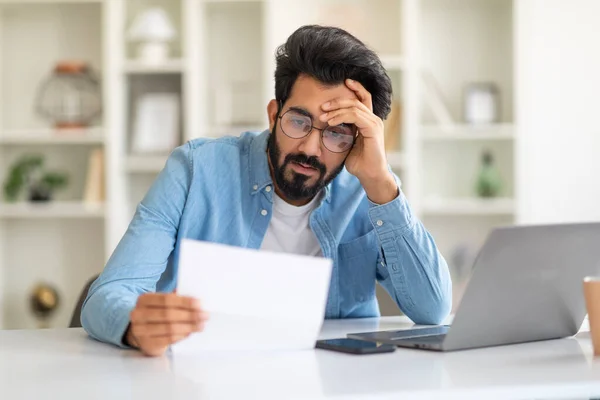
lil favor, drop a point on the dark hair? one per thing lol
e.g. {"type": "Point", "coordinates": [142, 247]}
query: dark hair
{"type": "Point", "coordinates": [331, 55]}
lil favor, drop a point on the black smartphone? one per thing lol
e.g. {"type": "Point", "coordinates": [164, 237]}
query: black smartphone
{"type": "Point", "coordinates": [354, 346]}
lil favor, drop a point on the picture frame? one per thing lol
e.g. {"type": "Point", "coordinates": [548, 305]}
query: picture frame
{"type": "Point", "coordinates": [156, 124]}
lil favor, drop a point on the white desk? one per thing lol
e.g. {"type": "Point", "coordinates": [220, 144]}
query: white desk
{"type": "Point", "coordinates": [66, 364]}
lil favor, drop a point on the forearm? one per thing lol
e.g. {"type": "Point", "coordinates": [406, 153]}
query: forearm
{"type": "Point", "coordinates": [142, 255]}
{"type": "Point", "coordinates": [414, 271]}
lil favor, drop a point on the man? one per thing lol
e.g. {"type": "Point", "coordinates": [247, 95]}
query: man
{"type": "Point", "coordinates": [316, 183]}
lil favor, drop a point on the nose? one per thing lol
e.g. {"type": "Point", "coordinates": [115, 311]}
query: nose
{"type": "Point", "coordinates": [311, 144]}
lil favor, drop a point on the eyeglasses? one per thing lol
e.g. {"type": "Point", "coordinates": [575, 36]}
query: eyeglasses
{"type": "Point", "coordinates": [336, 139]}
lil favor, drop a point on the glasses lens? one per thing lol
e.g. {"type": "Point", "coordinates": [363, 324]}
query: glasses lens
{"type": "Point", "coordinates": [338, 138]}
{"type": "Point", "coordinates": [295, 125]}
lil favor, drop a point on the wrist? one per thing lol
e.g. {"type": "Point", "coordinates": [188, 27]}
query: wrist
{"type": "Point", "coordinates": [381, 190]}
{"type": "Point", "coordinates": [129, 339]}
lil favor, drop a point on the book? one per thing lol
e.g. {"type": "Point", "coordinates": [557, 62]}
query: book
{"type": "Point", "coordinates": [94, 191]}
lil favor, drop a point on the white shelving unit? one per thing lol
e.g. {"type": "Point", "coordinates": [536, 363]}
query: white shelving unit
{"type": "Point", "coordinates": [146, 163]}
{"type": "Point", "coordinates": [221, 67]}
{"type": "Point", "coordinates": [397, 160]}
{"type": "Point", "coordinates": [167, 67]}
{"type": "Point", "coordinates": [53, 210]}
{"type": "Point", "coordinates": [468, 133]}
{"type": "Point", "coordinates": [52, 136]}
{"type": "Point", "coordinates": [460, 43]}
{"type": "Point", "coordinates": [469, 206]}
{"type": "Point", "coordinates": [63, 242]}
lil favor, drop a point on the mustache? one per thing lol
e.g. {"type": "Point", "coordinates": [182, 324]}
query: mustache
{"type": "Point", "coordinates": [304, 159]}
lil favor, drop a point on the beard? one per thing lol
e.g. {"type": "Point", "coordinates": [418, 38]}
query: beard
{"type": "Point", "coordinates": [293, 185]}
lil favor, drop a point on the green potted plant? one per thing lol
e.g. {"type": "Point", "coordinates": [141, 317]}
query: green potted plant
{"type": "Point", "coordinates": [27, 173]}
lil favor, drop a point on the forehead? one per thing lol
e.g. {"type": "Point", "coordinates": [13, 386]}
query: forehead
{"type": "Point", "coordinates": [311, 94]}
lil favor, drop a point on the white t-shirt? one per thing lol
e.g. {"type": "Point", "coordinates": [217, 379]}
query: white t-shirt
{"type": "Point", "coordinates": [289, 230]}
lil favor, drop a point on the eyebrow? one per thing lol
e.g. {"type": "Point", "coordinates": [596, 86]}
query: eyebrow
{"type": "Point", "coordinates": [301, 110]}
{"type": "Point", "coordinates": [307, 113]}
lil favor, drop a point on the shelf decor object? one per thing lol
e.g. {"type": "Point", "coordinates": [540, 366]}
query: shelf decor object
{"type": "Point", "coordinates": [70, 97]}
{"type": "Point", "coordinates": [27, 172]}
{"type": "Point", "coordinates": [489, 183]}
{"type": "Point", "coordinates": [95, 191]}
{"type": "Point", "coordinates": [156, 124]}
{"type": "Point", "coordinates": [482, 104]}
{"type": "Point", "coordinates": [152, 30]}
{"type": "Point", "coordinates": [44, 300]}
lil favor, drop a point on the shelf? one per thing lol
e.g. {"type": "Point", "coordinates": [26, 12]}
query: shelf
{"type": "Point", "coordinates": [233, 130]}
{"type": "Point", "coordinates": [392, 62]}
{"type": "Point", "coordinates": [54, 209]}
{"type": "Point", "coordinates": [146, 163]}
{"type": "Point", "coordinates": [396, 159]}
{"type": "Point", "coordinates": [173, 66]}
{"type": "Point", "coordinates": [469, 206]}
{"type": "Point", "coordinates": [467, 132]}
{"type": "Point", "coordinates": [52, 136]}
{"type": "Point", "coordinates": [33, 2]}
{"type": "Point", "coordinates": [231, 1]}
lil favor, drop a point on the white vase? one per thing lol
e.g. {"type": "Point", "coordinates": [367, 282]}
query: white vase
{"type": "Point", "coordinates": [153, 52]}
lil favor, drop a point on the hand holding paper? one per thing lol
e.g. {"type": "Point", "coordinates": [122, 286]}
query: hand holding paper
{"type": "Point", "coordinates": [161, 319]}
{"type": "Point", "coordinates": [256, 300]}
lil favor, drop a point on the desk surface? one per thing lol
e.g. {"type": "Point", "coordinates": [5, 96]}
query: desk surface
{"type": "Point", "coordinates": [66, 364]}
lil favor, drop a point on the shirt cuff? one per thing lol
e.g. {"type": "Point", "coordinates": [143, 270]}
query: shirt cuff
{"type": "Point", "coordinates": [119, 325]}
{"type": "Point", "coordinates": [392, 216]}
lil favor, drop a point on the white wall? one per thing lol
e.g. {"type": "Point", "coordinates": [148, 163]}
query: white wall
{"type": "Point", "coordinates": [558, 84]}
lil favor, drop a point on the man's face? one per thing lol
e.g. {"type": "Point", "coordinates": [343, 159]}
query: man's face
{"type": "Point", "coordinates": [302, 167]}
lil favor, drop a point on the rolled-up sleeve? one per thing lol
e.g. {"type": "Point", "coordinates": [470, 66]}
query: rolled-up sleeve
{"type": "Point", "coordinates": [143, 253]}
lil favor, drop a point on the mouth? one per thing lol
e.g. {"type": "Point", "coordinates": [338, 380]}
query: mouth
{"type": "Point", "coordinates": [304, 169]}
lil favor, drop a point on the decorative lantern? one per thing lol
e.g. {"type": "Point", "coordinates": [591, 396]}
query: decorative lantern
{"type": "Point", "coordinates": [70, 97]}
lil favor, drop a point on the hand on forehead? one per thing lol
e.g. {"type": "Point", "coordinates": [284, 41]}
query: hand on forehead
{"type": "Point", "coordinates": [311, 94]}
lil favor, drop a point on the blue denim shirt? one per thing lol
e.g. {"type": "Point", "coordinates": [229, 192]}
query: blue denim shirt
{"type": "Point", "coordinates": [216, 190]}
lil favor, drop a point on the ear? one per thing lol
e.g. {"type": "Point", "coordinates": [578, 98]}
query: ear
{"type": "Point", "coordinates": [272, 113]}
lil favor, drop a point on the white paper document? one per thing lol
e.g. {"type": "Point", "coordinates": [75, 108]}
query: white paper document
{"type": "Point", "coordinates": [257, 300]}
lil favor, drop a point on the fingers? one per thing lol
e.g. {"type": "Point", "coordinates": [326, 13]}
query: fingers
{"type": "Point", "coordinates": [161, 319]}
{"type": "Point", "coordinates": [360, 118]}
{"type": "Point", "coordinates": [155, 347]}
{"type": "Point", "coordinates": [166, 315]}
{"type": "Point", "coordinates": [168, 300]}
{"type": "Point", "coordinates": [344, 103]}
{"type": "Point", "coordinates": [166, 330]}
{"type": "Point", "coordinates": [359, 90]}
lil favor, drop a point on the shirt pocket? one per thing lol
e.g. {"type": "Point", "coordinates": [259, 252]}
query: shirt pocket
{"type": "Point", "coordinates": [357, 266]}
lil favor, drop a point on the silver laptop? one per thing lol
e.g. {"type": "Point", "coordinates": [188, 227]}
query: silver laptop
{"type": "Point", "coordinates": [526, 285]}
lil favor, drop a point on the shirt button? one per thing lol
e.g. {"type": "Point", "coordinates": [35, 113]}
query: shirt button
{"type": "Point", "coordinates": [379, 222]}
{"type": "Point", "coordinates": [263, 212]}
{"type": "Point", "coordinates": [255, 187]}
{"type": "Point", "coordinates": [268, 189]}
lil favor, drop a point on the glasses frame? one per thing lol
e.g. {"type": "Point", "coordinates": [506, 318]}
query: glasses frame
{"type": "Point", "coordinates": [280, 117]}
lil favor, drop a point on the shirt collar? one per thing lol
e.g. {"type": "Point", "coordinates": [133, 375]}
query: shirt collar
{"type": "Point", "coordinates": [260, 174]}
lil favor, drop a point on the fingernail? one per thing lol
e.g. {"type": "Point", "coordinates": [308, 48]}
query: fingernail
{"type": "Point", "coordinates": [326, 105]}
{"type": "Point", "coordinates": [323, 117]}
{"type": "Point", "coordinates": [199, 326]}
{"type": "Point", "coordinates": [350, 81]}
{"type": "Point", "coordinates": [196, 303]}
{"type": "Point", "coordinates": [203, 315]}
